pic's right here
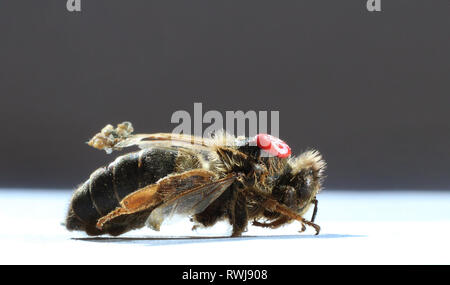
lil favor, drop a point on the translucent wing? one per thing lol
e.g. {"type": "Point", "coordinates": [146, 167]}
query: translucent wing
{"type": "Point", "coordinates": [159, 139]}
{"type": "Point", "coordinates": [164, 137]}
{"type": "Point", "coordinates": [110, 138]}
{"type": "Point", "coordinates": [189, 202]}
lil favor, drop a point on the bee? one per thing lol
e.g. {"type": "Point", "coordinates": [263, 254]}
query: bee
{"type": "Point", "coordinates": [238, 179]}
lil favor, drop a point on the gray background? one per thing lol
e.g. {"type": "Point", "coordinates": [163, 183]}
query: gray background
{"type": "Point", "coordinates": [369, 90]}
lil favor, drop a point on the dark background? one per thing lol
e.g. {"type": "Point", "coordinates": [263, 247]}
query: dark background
{"type": "Point", "coordinates": [369, 90]}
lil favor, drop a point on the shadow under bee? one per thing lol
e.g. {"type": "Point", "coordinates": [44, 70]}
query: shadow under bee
{"type": "Point", "coordinates": [156, 241]}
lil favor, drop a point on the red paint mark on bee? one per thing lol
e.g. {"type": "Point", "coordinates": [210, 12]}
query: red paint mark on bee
{"type": "Point", "coordinates": [273, 145]}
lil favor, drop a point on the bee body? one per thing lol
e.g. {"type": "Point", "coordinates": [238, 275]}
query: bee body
{"type": "Point", "coordinates": [208, 180]}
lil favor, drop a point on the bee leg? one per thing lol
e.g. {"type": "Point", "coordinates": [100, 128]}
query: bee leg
{"type": "Point", "coordinates": [140, 200]}
{"type": "Point", "coordinates": [240, 215]}
{"type": "Point", "coordinates": [236, 210]}
{"type": "Point", "coordinates": [277, 207]}
{"type": "Point", "coordinates": [315, 202]}
{"type": "Point", "coordinates": [303, 228]}
{"type": "Point", "coordinates": [207, 218]}
{"type": "Point", "coordinates": [196, 226]}
{"type": "Point", "coordinates": [259, 224]}
{"type": "Point", "coordinates": [213, 213]}
{"type": "Point", "coordinates": [273, 225]}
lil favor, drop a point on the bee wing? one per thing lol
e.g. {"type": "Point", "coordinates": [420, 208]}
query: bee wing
{"type": "Point", "coordinates": [110, 139]}
{"type": "Point", "coordinates": [187, 192]}
{"type": "Point", "coordinates": [189, 202]}
{"type": "Point", "coordinates": [149, 140]}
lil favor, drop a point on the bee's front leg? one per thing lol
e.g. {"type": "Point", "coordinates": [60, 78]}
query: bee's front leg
{"type": "Point", "coordinates": [303, 228]}
{"type": "Point", "coordinates": [315, 202]}
{"type": "Point", "coordinates": [273, 225]}
{"type": "Point", "coordinates": [275, 206]}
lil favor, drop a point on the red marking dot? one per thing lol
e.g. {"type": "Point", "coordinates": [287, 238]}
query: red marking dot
{"type": "Point", "coordinates": [273, 145]}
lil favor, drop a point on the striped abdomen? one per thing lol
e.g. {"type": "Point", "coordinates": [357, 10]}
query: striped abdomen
{"type": "Point", "coordinates": [102, 192]}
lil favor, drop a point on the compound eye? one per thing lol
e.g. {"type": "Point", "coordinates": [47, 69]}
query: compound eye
{"type": "Point", "coordinates": [273, 145]}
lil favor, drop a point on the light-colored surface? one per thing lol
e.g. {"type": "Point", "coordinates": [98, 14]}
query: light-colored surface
{"type": "Point", "coordinates": [357, 228]}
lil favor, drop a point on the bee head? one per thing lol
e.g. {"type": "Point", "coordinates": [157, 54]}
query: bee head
{"type": "Point", "coordinates": [302, 181]}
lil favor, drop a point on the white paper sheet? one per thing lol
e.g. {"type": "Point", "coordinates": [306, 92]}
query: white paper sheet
{"type": "Point", "coordinates": [358, 227]}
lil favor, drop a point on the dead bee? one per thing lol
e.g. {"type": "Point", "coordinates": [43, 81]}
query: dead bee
{"type": "Point", "coordinates": [209, 179]}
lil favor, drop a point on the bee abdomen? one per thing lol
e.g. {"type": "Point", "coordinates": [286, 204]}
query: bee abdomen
{"type": "Point", "coordinates": [107, 186]}
{"type": "Point", "coordinates": [81, 210]}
